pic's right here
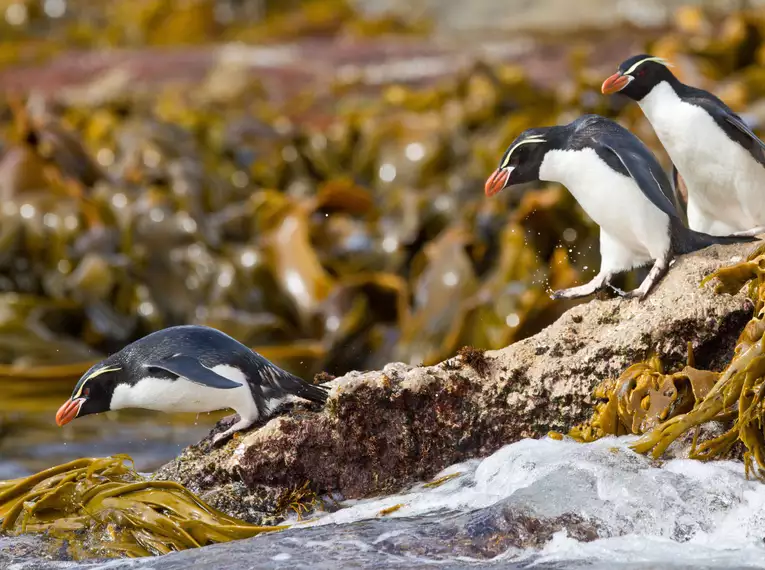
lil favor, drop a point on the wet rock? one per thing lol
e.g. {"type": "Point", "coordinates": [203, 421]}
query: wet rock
{"type": "Point", "coordinates": [381, 430]}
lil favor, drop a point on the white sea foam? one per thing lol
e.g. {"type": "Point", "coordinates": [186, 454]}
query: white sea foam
{"type": "Point", "coordinates": [680, 510]}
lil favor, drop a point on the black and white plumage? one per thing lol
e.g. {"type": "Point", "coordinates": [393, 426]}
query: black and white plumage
{"type": "Point", "coordinates": [619, 183]}
{"type": "Point", "coordinates": [720, 159]}
{"type": "Point", "coordinates": [187, 369]}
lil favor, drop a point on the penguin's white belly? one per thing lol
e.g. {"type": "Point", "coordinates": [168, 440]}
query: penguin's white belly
{"type": "Point", "coordinates": [614, 201]}
{"type": "Point", "coordinates": [726, 186]}
{"type": "Point", "coordinates": [182, 395]}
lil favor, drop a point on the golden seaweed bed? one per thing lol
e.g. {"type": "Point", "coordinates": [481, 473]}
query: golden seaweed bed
{"type": "Point", "coordinates": [103, 507]}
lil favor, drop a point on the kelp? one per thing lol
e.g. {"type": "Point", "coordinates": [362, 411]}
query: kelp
{"type": "Point", "coordinates": [103, 507]}
{"type": "Point", "coordinates": [643, 397]}
{"type": "Point", "coordinates": [662, 407]}
{"type": "Point", "coordinates": [191, 205]}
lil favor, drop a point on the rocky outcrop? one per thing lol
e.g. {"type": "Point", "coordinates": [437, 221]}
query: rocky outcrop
{"type": "Point", "coordinates": [384, 429]}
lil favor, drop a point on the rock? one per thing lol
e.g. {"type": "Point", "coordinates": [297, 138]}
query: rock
{"type": "Point", "coordinates": [384, 429]}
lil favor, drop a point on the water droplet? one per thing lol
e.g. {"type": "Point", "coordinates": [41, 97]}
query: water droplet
{"type": "Point", "coordinates": [119, 200]}
{"type": "Point", "coordinates": [51, 220]}
{"type": "Point", "coordinates": [289, 153]}
{"type": "Point", "coordinates": [512, 320]}
{"type": "Point", "coordinates": [27, 211]}
{"type": "Point", "coordinates": [16, 14]}
{"type": "Point", "coordinates": [151, 158]}
{"type": "Point", "coordinates": [249, 258]}
{"type": "Point", "coordinates": [71, 222]}
{"type": "Point", "coordinates": [156, 215]}
{"type": "Point", "coordinates": [105, 157]}
{"type": "Point", "coordinates": [443, 203]}
{"type": "Point", "coordinates": [55, 8]}
{"type": "Point", "coordinates": [188, 224]}
{"type": "Point", "coordinates": [225, 279]}
{"type": "Point", "coordinates": [415, 151]}
{"type": "Point", "coordinates": [146, 309]}
{"type": "Point", "coordinates": [390, 244]}
{"type": "Point", "coordinates": [387, 173]}
{"type": "Point", "coordinates": [319, 141]}
{"type": "Point", "coordinates": [240, 179]}
{"type": "Point", "coordinates": [451, 279]}
{"type": "Point", "coordinates": [333, 323]}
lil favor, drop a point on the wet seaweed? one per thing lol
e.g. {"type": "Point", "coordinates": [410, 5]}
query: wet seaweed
{"type": "Point", "coordinates": [663, 407]}
{"type": "Point", "coordinates": [385, 512]}
{"type": "Point", "coordinates": [441, 480]}
{"type": "Point", "coordinates": [103, 507]}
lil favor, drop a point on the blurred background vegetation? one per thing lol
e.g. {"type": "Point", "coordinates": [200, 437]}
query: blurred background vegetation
{"type": "Point", "coordinates": [306, 176]}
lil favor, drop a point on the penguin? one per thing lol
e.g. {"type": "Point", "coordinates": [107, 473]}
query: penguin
{"type": "Point", "coordinates": [717, 156]}
{"type": "Point", "coordinates": [187, 368]}
{"type": "Point", "coordinates": [620, 184]}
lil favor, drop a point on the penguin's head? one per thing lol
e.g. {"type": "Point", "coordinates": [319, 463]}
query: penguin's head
{"type": "Point", "coordinates": [637, 76]}
{"type": "Point", "coordinates": [93, 392]}
{"type": "Point", "coordinates": [522, 160]}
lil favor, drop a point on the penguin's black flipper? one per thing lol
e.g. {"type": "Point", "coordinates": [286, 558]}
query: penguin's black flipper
{"type": "Point", "coordinates": [645, 170]}
{"type": "Point", "coordinates": [190, 368]}
{"type": "Point", "coordinates": [733, 125]}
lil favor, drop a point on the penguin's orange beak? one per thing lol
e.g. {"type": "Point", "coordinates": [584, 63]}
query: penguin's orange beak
{"type": "Point", "coordinates": [615, 83]}
{"type": "Point", "coordinates": [497, 181]}
{"type": "Point", "coordinates": [68, 411]}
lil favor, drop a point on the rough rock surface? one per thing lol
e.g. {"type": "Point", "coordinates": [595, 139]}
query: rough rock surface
{"type": "Point", "coordinates": [382, 430]}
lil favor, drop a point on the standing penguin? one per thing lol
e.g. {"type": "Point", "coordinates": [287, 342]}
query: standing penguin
{"type": "Point", "coordinates": [621, 186]}
{"type": "Point", "coordinates": [720, 159]}
{"type": "Point", "coordinates": [187, 369]}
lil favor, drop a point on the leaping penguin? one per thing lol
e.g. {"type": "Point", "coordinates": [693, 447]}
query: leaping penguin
{"type": "Point", "coordinates": [187, 369]}
{"type": "Point", "coordinates": [720, 159]}
{"type": "Point", "coordinates": [620, 184]}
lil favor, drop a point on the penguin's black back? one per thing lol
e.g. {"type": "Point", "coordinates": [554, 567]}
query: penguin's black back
{"type": "Point", "coordinates": [730, 122]}
{"type": "Point", "coordinates": [211, 348]}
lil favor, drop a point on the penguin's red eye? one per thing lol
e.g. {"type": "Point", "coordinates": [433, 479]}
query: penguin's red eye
{"type": "Point", "coordinates": [86, 392]}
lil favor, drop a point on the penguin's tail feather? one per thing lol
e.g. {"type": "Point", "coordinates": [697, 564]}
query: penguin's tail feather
{"type": "Point", "coordinates": [311, 392]}
{"type": "Point", "coordinates": [288, 383]}
{"type": "Point", "coordinates": [693, 241]}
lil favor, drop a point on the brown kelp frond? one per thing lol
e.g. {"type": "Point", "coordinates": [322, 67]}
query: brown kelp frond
{"type": "Point", "coordinates": [663, 407]}
{"type": "Point", "coordinates": [390, 510]}
{"type": "Point", "coordinates": [120, 512]}
{"type": "Point", "coordinates": [642, 398]}
{"type": "Point", "coordinates": [441, 480]}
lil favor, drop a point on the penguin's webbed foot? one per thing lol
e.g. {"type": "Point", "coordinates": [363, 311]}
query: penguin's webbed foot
{"type": "Point", "coordinates": [220, 438]}
{"type": "Point", "coordinates": [634, 294]}
{"type": "Point", "coordinates": [575, 292]}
